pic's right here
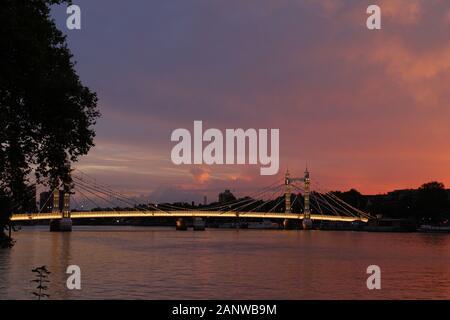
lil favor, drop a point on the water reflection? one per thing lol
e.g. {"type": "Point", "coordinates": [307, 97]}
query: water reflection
{"type": "Point", "coordinates": [155, 263]}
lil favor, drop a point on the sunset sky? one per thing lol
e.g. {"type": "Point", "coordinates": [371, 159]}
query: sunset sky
{"type": "Point", "coordinates": [365, 109]}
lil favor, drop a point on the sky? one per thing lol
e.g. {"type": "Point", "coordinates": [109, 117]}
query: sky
{"type": "Point", "coordinates": [363, 109]}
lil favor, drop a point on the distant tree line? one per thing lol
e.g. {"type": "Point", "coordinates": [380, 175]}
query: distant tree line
{"type": "Point", "coordinates": [430, 201]}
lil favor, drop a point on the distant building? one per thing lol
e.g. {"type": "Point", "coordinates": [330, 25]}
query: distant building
{"type": "Point", "coordinates": [226, 196]}
{"type": "Point", "coordinates": [46, 201]}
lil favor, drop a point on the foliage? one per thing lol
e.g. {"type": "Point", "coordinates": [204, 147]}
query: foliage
{"type": "Point", "coordinates": [46, 113]}
{"type": "Point", "coordinates": [41, 280]}
{"type": "Point", "coordinates": [432, 201]}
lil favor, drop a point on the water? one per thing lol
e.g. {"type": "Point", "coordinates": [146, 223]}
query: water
{"type": "Point", "coordinates": [158, 263]}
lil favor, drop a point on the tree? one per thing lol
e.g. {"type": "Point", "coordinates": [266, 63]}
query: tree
{"type": "Point", "coordinates": [41, 280]}
{"type": "Point", "coordinates": [352, 197]}
{"type": "Point", "coordinates": [46, 114]}
{"type": "Point", "coordinates": [432, 201]}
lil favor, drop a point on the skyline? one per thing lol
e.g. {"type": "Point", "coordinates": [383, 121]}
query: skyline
{"type": "Point", "coordinates": [365, 110]}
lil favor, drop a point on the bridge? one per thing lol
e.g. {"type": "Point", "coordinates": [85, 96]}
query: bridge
{"type": "Point", "coordinates": [183, 214]}
{"type": "Point", "coordinates": [317, 205]}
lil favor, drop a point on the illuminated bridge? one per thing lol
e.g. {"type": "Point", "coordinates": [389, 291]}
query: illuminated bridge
{"type": "Point", "coordinates": [311, 205]}
{"type": "Point", "coordinates": [183, 214]}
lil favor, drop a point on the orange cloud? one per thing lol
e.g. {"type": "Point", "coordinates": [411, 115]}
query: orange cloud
{"type": "Point", "coordinates": [200, 174]}
{"type": "Point", "coordinates": [406, 12]}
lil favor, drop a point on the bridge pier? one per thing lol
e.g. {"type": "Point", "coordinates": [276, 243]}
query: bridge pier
{"type": "Point", "coordinates": [307, 224]}
{"type": "Point", "coordinates": [288, 224]}
{"type": "Point", "coordinates": [199, 224]}
{"type": "Point", "coordinates": [181, 225]}
{"type": "Point", "coordinates": [61, 225]}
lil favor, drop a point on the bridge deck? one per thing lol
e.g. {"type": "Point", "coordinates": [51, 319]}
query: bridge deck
{"type": "Point", "coordinates": [181, 214]}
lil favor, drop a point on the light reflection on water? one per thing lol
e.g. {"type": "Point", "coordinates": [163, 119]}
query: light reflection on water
{"type": "Point", "coordinates": [159, 263]}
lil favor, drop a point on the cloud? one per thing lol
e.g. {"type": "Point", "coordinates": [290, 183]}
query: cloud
{"type": "Point", "coordinates": [200, 174]}
{"type": "Point", "coordinates": [406, 12]}
{"type": "Point", "coordinates": [364, 109]}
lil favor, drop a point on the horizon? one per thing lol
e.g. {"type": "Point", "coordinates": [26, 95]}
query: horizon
{"type": "Point", "coordinates": [142, 199]}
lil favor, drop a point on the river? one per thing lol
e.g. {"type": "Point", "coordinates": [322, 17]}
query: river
{"type": "Point", "coordinates": [161, 263]}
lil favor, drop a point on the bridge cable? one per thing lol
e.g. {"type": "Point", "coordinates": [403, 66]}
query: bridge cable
{"type": "Point", "coordinates": [252, 202]}
{"type": "Point", "coordinates": [365, 214]}
{"type": "Point", "coordinates": [111, 193]}
{"type": "Point", "coordinates": [276, 205]}
{"type": "Point", "coordinates": [134, 205]}
{"type": "Point", "coordinates": [248, 198]}
{"type": "Point", "coordinates": [247, 201]}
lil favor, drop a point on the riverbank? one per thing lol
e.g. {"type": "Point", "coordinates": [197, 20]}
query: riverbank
{"type": "Point", "coordinates": [387, 225]}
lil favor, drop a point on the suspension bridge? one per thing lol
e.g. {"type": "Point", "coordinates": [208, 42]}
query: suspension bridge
{"type": "Point", "coordinates": [291, 198]}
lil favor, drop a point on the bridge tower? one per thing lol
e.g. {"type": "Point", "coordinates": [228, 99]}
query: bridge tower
{"type": "Point", "coordinates": [65, 223]}
{"type": "Point", "coordinates": [307, 222]}
{"type": "Point", "coordinates": [287, 192]}
{"type": "Point", "coordinates": [66, 206]}
{"type": "Point", "coordinates": [55, 208]}
{"type": "Point", "coordinates": [287, 223]}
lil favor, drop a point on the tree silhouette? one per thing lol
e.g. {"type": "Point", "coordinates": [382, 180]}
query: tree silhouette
{"type": "Point", "coordinates": [46, 114]}
{"type": "Point", "coordinates": [432, 201]}
{"type": "Point", "coordinates": [41, 280]}
{"type": "Point", "coordinates": [352, 197]}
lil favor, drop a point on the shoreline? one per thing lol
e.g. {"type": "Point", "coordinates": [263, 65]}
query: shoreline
{"type": "Point", "coordinates": [163, 227]}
